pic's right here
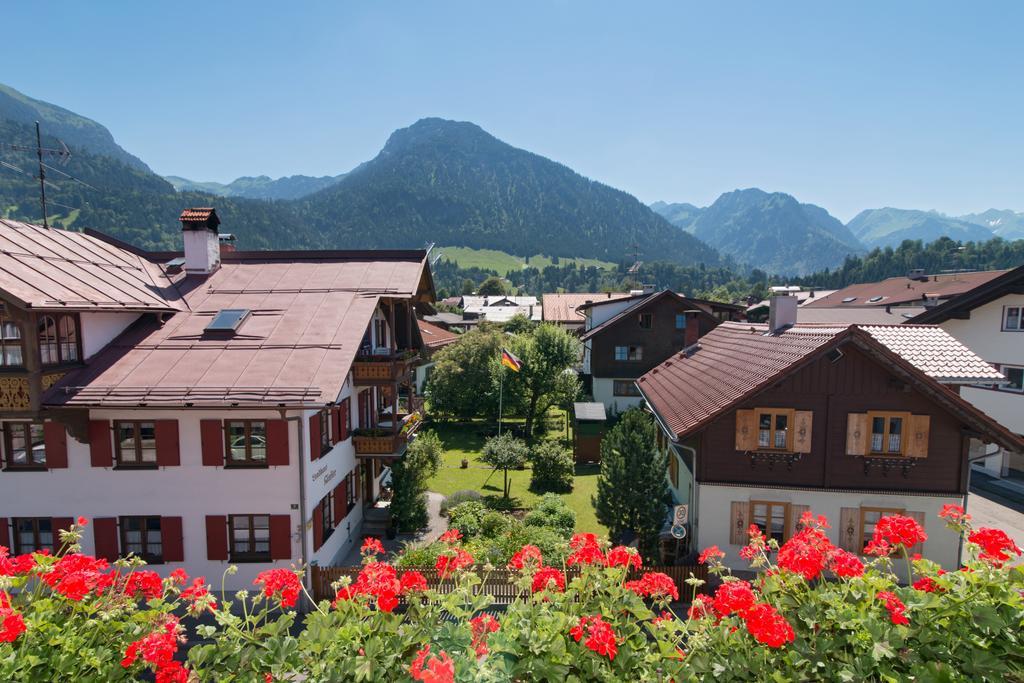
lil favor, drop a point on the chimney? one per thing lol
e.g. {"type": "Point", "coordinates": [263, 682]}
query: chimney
{"type": "Point", "coordinates": [692, 318]}
{"type": "Point", "coordinates": [202, 243]}
{"type": "Point", "coordinates": [781, 312]}
{"type": "Point", "coordinates": [227, 242]}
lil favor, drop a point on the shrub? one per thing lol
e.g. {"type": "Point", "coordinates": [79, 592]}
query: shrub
{"type": "Point", "coordinates": [466, 517]}
{"type": "Point", "coordinates": [458, 497]}
{"type": "Point", "coordinates": [554, 513]}
{"type": "Point", "coordinates": [553, 467]}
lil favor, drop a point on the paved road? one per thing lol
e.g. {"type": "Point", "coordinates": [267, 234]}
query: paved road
{"type": "Point", "coordinates": [988, 510]}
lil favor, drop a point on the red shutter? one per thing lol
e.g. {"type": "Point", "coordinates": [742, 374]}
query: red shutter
{"type": "Point", "coordinates": [59, 524]}
{"type": "Point", "coordinates": [5, 535]}
{"type": "Point", "coordinates": [211, 437]}
{"type": "Point", "coordinates": [314, 437]}
{"type": "Point", "coordinates": [277, 442]}
{"type": "Point", "coordinates": [340, 503]}
{"type": "Point", "coordinates": [104, 531]}
{"type": "Point", "coordinates": [101, 452]}
{"type": "Point", "coordinates": [318, 528]}
{"type": "Point", "coordinates": [336, 436]}
{"type": "Point", "coordinates": [172, 539]}
{"type": "Point", "coordinates": [168, 453]}
{"type": "Point", "coordinates": [55, 441]}
{"type": "Point", "coordinates": [216, 537]}
{"type": "Point", "coordinates": [280, 537]}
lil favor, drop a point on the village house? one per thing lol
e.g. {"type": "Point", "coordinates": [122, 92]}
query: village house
{"type": "Point", "coordinates": [564, 309]}
{"type": "Point", "coordinates": [624, 338]}
{"type": "Point", "coordinates": [202, 408]}
{"type": "Point", "coordinates": [764, 422]}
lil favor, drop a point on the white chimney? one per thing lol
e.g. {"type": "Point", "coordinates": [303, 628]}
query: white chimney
{"type": "Point", "coordinates": [202, 243]}
{"type": "Point", "coordinates": [781, 312]}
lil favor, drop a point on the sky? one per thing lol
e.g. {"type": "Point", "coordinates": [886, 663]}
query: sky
{"type": "Point", "coordinates": [849, 105]}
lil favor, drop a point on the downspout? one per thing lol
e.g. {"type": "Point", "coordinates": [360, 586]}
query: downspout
{"type": "Point", "coordinates": [298, 420]}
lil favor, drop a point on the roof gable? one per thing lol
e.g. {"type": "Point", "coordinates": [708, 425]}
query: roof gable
{"type": "Point", "coordinates": [639, 306]}
{"type": "Point", "coordinates": [1010, 282]}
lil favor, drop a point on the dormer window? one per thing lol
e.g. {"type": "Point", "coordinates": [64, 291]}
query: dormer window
{"type": "Point", "coordinates": [58, 339]}
{"type": "Point", "coordinates": [227, 321]}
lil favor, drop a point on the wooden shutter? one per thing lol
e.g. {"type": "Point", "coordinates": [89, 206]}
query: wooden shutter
{"type": "Point", "coordinates": [104, 531]}
{"type": "Point", "coordinates": [172, 539]}
{"type": "Point", "coordinates": [795, 512]}
{"type": "Point", "coordinates": [857, 434]}
{"type": "Point", "coordinates": [216, 537]}
{"type": "Point", "coordinates": [280, 537]}
{"type": "Point", "coordinates": [340, 502]}
{"type": "Point", "coordinates": [318, 528]}
{"type": "Point", "coordinates": [738, 522]}
{"type": "Point", "coordinates": [55, 441]}
{"type": "Point", "coordinates": [917, 436]}
{"type": "Point", "coordinates": [803, 420]}
{"type": "Point", "coordinates": [60, 524]}
{"type": "Point", "coordinates": [746, 431]}
{"type": "Point", "coordinates": [919, 517]}
{"type": "Point", "coordinates": [315, 447]}
{"type": "Point", "coordinates": [168, 453]}
{"type": "Point", "coordinates": [211, 438]}
{"type": "Point", "coordinates": [849, 529]}
{"type": "Point", "coordinates": [5, 534]}
{"type": "Point", "coordinates": [277, 442]}
{"type": "Point", "coordinates": [101, 450]}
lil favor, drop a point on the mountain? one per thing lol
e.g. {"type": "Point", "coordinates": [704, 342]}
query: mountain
{"type": "Point", "coordinates": [682, 215]}
{"type": "Point", "coordinates": [67, 126]}
{"type": "Point", "coordinates": [453, 183]}
{"type": "Point", "coordinates": [771, 231]}
{"type": "Point", "coordinates": [258, 187]}
{"type": "Point", "coordinates": [888, 227]}
{"type": "Point", "coordinates": [1002, 222]}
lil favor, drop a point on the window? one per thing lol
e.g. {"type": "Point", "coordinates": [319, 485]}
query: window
{"type": "Point", "coordinates": [135, 444]}
{"type": "Point", "coordinates": [32, 534]}
{"type": "Point", "coordinates": [352, 490]}
{"type": "Point", "coordinates": [887, 433]}
{"type": "Point", "coordinates": [24, 445]}
{"type": "Point", "coordinates": [680, 321]}
{"type": "Point", "coordinates": [247, 442]}
{"type": "Point", "coordinates": [141, 536]}
{"type": "Point", "coordinates": [380, 332]}
{"type": "Point", "coordinates": [625, 387]}
{"type": "Point", "coordinates": [869, 518]}
{"type": "Point", "coordinates": [774, 429]}
{"type": "Point", "coordinates": [1013, 318]}
{"type": "Point", "coordinates": [326, 506]}
{"type": "Point", "coordinates": [58, 339]}
{"type": "Point", "coordinates": [250, 538]}
{"type": "Point", "coordinates": [325, 431]}
{"type": "Point", "coordinates": [12, 347]}
{"type": "Point", "coordinates": [629, 353]}
{"type": "Point", "coordinates": [646, 320]}
{"type": "Point", "coordinates": [771, 518]}
{"type": "Point", "coordinates": [227, 320]}
{"type": "Point", "coordinates": [1015, 375]}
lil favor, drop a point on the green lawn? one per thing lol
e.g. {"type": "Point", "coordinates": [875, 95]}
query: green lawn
{"type": "Point", "coordinates": [466, 440]}
{"type": "Point", "coordinates": [504, 263]}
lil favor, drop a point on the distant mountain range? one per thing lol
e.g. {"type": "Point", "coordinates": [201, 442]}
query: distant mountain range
{"type": "Point", "coordinates": [450, 183]}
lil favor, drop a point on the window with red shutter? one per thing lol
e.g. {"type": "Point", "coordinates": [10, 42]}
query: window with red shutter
{"type": "Point", "coordinates": [101, 450]}
{"type": "Point", "coordinates": [211, 435]}
{"type": "Point", "coordinates": [340, 507]}
{"type": "Point", "coordinates": [277, 443]}
{"type": "Point", "coordinates": [280, 537]}
{"type": "Point", "coordinates": [216, 537]}
{"type": "Point", "coordinates": [173, 539]}
{"type": "Point", "coordinates": [55, 439]}
{"type": "Point", "coordinates": [104, 531]}
{"type": "Point", "coordinates": [315, 447]}
{"type": "Point", "coordinates": [168, 453]}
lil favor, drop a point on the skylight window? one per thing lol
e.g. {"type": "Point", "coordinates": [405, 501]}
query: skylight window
{"type": "Point", "coordinates": [227, 320]}
{"type": "Point", "coordinates": [875, 299]}
{"type": "Point", "coordinates": [849, 299]}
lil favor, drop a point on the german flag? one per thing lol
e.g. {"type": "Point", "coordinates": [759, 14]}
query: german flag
{"type": "Point", "coordinates": [509, 360]}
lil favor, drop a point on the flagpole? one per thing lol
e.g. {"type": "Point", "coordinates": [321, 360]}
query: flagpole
{"type": "Point", "coordinates": [501, 388]}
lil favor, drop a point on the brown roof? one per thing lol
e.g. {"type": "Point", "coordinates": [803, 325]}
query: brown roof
{"type": "Point", "coordinates": [308, 317]}
{"type": "Point", "coordinates": [53, 269]}
{"type": "Point", "coordinates": [198, 214]}
{"type": "Point", "coordinates": [860, 315]}
{"type": "Point", "coordinates": [435, 336]}
{"type": "Point", "coordinates": [736, 361]}
{"type": "Point", "coordinates": [1010, 282]}
{"type": "Point", "coordinates": [903, 290]}
{"type": "Point", "coordinates": [561, 308]}
{"type": "Point", "coordinates": [640, 304]}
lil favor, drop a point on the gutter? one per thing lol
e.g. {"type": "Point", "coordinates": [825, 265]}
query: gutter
{"type": "Point", "coordinates": [304, 557]}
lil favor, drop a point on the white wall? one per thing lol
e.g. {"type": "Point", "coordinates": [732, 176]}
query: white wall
{"type": "Point", "coordinates": [100, 328]}
{"type": "Point", "coordinates": [604, 393]}
{"type": "Point", "coordinates": [714, 516]}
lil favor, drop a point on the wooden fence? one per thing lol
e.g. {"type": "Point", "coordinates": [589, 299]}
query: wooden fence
{"type": "Point", "coordinates": [498, 583]}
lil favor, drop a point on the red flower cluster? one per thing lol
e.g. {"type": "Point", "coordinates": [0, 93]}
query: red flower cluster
{"type": "Point", "coordinates": [925, 584]}
{"type": "Point", "coordinates": [283, 584]}
{"type": "Point", "coordinates": [12, 624]}
{"type": "Point", "coordinates": [372, 546]}
{"type": "Point", "coordinates": [146, 583]}
{"type": "Point", "coordinates": [662, 618]}
{"type": "Point", "coordinates": [451, 536]}
{"type": "Point", "coordinates": [713, 553]}
{"type": "Point", "coordinates": [703, 606]}
{"type": "Point", "coordinates": [481, 627]}
{"type": "Point", "coordinates": [380, 580]}
{"type": "Point", "coordinates": [449, 563]}
{"type": "Point", "coordinates": [13, 566]}
{"type": "Point", "coordinates": [654, 585]}
{"type": "Point", "coordinates": [996, 546]}
{"type": "Point", "coordinates": [199, 596]}
{"type": "Point", "coordinates": [599, 635]}
{"type": "Point", "coordinates": [757, 544]}
{"type": "Point", "coordinates": [621, 556]}
{"type": "Point", "coordinates": [545, 577]}
{"type": "Point", "coordinates": [527, 556]}
{"type": "Point", "coordinates": [768, 626]}
{"type": "Point", "coordinates": [845, 564]}
{"type": "Point", "coordinates": [157, 649]}
{"type": "Point", "coordinates": [586, 550]}
{"type": "Point", "coordinates": [895, 606]}
{"type": "Point", "coordinates": [435, 670]}
{"type": "Point", "coordinates": [806, 553]}
{"type": "Point", "coordinates": [75, 576]}
{"type": "Point", "coordinates": [954, 514]}
{"type": "Point", "coordinates": [894, 531]}
{"type": "Point", "coordinates": [179, 577]}
{"type": "Point", "coordinates": [733, 596]}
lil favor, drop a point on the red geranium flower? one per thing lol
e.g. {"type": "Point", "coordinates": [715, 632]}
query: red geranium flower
{"type": "Point", "coordinates": [372, 546]}
{"type": "Point", "coordinates": [586, 550]}
{"type": "Point", "coordinates": [621, 556]}
{"type": "Point", "coordinates": [895, 606]}
{"type": "Point", "coordinates": [451, 536]}
{"type": "Point", "coordinates": [198, 594]}
{"type": "Point", "coordinates": [897, 530]}
{"type": "Point", "coordinates": [545, 577]}
{"type": "Point", "coordinates": [768, 626]}
{"type": "Point", "coordinates": [387, 601]}
{"type": "Point", "coordinates": [996, 546]}
{"type": "Point", "coordinates": [954, 514]}
{"type": "Point", "coordinates": [13, 566]}
{"type": "Point", "coordinates": [710, 553]}
{"type": "Point", "coordinates": [806, 552]}
{"type": "Point", "coordinates": [157, 648]}
{"type": "Point", "coordinates": [654, 585]}
{"type": "Point", "coordinates": [599, 635]}
{"type": "Point", "coordinates": [481, 627]}
{"type": "Point", "coordinates": [435, 670]}
{"type": "Point", "coordinates": [148, 583]}
{"type": "Point", "coordinates": [283, 584]}
{"type": "Point", "coordinates": [527, 556]}
{"type": "Point", "coordinates": [733, 596]}
{"type": "Point", "coordinates": [75, 576]}
{"type": "Point", "coordinates": [12, 624]}
{"type": "Point", "coordinates": [703, 606]}
{"type": "Point", "coordinates": [925, 584]}
{"type": "Point", "coordinates": [662, 618]}
{"type": "Point", "coordinates": [179, 576]}
{"type": "Point", "coordinates": [447, 564]}
{"type": "Point", "coordinates": [845, 564]}
{"type": "Point", "coordinates": [412, 581]}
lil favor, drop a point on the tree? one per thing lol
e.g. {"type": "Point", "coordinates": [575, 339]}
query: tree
{"type": "Point", "coordinates": [461, 381]}
{"type": "Point", "coordinates": [492, 286]}
{"type": "Point", "coordinates": [518, 324]}
{"type": "Point", "coordinates": [409, 477]}
{"type": "Point", "coordinates": [546, 377]}
{"type": "Point", "coordinates": [505, 452]}
{"type": "Point", "coordinates": [551, 466]}
{"type": "Point", "coordinates": [467, 286]}
{"type": "Point", "coordinates": [631, 489]}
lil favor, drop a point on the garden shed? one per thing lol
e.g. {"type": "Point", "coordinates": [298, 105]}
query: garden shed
{"type": "Point", "coordinates": [588, 422]}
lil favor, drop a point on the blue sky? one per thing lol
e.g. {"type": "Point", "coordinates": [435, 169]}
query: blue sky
{"type": "Point", "coordinates": [850, 106]}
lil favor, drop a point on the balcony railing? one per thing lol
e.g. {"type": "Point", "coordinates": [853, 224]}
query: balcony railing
{"type": "Point", "coordinates": [387, 441]}
{"type": "Point", "coordinates": [370, 369]}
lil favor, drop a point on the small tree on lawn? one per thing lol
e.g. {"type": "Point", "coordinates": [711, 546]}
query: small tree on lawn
{"type": "Point", "coordinates": [552, 467]}
{"type": "Point", "coordinates": [631, 490]}
{"type": "Point", "coordinates": [409, 477]}
{"type": "Point", "coordinates": [546, 378]}
{"type": "Point", "coordinates": [505, 452]}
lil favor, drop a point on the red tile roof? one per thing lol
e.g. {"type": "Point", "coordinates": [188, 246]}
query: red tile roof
{"type": "Point", "coordinates": [53, 269]}
{"type": "Point", "coordinates": [435, 336]}
{"type": "Point", "coordinates": [902, 290]}
{"type": "Point", "coordinates": [199, 214]}
{"type": "Point", "coordinates": [561, 308]}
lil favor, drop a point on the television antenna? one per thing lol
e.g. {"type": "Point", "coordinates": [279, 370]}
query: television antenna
{"type": "Point", "coordinates": [63, 155]}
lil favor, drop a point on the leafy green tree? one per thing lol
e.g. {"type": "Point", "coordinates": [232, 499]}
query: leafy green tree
{"type": "Point", "coordinates": [467, 286]}
{"type": "Point", "coordinates": [504, 453]}
{"type": "Point", "coordinates": [518, 324]}
{"type": "Point", "coordinates": [492, 286]}
{"type": "Point", "coordinates": [409, 478]}
{"type": "Point", "coordinates": [552, 467]}
{"type": "Point", "coordinates": [461, 381]}
{"type": "Point", "coordinates": [631, 489]}
{"type": "Point", "coordinates": [546, 378]}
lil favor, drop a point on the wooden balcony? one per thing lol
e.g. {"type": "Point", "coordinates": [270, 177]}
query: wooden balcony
{"type": "Point", "coordinates": [387, 442]}
{"type": "Point", "coordinates": [373, 370]}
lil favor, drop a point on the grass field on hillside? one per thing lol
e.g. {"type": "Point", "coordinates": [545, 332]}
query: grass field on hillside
{"type": "Point", "coordinates": [504, 263]}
